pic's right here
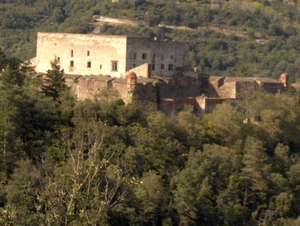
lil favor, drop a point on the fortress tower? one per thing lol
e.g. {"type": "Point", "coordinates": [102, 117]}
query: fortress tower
{"type": "Point", "coordinates": [112, 55]}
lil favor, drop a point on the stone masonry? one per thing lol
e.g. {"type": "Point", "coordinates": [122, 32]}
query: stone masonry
{"type": "Point", "coordinates": [112, 55]}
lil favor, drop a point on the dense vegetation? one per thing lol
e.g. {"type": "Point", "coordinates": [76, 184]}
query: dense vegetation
{"type": "Point", "coordinates": [101, 162]}
{"type": "Point", "coordinates": [64, 162]}
{"type": "Point", "coordinates": [269, 44]}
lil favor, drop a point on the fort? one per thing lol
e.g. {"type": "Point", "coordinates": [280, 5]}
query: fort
{"type": "Point", "coordinates": [149, 70]}
{"type": "Point", "coordinates": [108, 54]}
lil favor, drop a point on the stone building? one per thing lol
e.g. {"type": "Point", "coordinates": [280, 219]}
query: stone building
{"type": "Point", "coordinates": [136, 68]}
{"type": "Point", "coordinates": [112, 55]}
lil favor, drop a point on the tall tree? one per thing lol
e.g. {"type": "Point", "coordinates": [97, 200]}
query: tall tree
{"type": "Point", "coordinates": [54, 82]}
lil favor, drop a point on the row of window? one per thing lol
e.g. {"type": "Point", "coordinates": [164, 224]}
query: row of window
{"type": "Point", "coordinates": [162, 67]}
{"type": "Point", "coordinates": [144, 56]}
{"type": "Point", "coordinates": [114, 65]}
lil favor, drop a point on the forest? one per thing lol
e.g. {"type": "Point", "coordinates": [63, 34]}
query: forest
{"type": "Point", "coordinates": [65, 162]}
{"type": "Point", "coordinates": [68, 162]}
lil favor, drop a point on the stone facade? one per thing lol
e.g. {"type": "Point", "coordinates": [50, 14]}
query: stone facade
{"type": "Point", "coordinates": [80, 54]}
{"type": "Point", "coordinates": [173, 94]}
{"type": "Point", "coordinates": [151, 71]}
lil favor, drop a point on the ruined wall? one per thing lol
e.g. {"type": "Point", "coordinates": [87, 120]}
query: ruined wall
{"type": "Point", "coordinates": [99, 50]}
{"type": "Point", "coordinates": [147, 92]}
{"type": "Point", "coordinates": [143, 70]}
{"type": "Point", "coordinates": [181, 87]}
{"type": "Point", "coordinates": [219, 87]}
{"type": "Point", "coordinates": [273, 87]}
{"type": "Point", "coordinates": [164, 57]}
{"type": "Point", "coordinates": [245, 87]}
{"type": "Point", "coordinates": [208, 104]}
{"type": "Point", "coordinates": [170, 105]}
{"type": "Point", "coordinates": [89, 87]}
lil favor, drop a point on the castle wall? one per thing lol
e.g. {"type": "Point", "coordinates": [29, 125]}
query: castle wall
{"type": "Point", "coordinates": [207, 104]}
{"type": "Point", "coordinates": [143, 70]}
{"type": "Point", "coordinates": [170, 105]}
{"type": "Point", "coordinates": [165, 56]}
{"type": "Point", "coordinates": [88, 87]}
{"type": "Point", "coordinates": [90, 54]}
{"type": "Point", "coordinates": [181, 87]}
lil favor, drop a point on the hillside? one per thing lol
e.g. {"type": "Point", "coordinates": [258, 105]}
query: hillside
{"type": "Point", "coordinates": [226, 37]}
{"type": "Point", "coordinates": [105, 161]}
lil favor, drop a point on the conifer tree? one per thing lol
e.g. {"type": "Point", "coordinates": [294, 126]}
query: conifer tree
{"type": "Point", "coordinates": [54, 82]}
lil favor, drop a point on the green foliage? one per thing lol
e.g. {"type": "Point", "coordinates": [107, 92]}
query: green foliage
{"type": "Point", "coordinates": [106, 163]}
{"type": "Point", "coordinates": [54, 84]}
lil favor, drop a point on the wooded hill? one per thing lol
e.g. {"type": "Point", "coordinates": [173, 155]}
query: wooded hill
{"type": "Point", "coordinates": [271, 29]}
{"type": "Point", "coordinates": [104, 163]}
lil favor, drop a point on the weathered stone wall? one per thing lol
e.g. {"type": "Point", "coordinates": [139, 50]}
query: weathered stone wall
{"type": "Point", "coordinates": [208, 104]}
{"type": "Point", "coordinates": [181, 87]}
{"type": "Point", "coordinates": [143, 70]}
{"type": "Point", "coordinates": [89, 87]}
{"type": "Point", "coordinates": [245, 87]}
{"type": "Point", "coordinates": [94, 54]}
{"type": "Point", "coordinates": [165, 56]}
{"type": "Point", "coordinates": [170, 105]}
{"type": "Point", "coordinates": [97, 50]}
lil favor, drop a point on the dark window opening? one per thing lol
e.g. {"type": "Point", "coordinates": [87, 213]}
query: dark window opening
{"type": "Point", "coordinates": [153, 58]}
{"type": "Point", "coordinates": [153, 67]}
{"type": "Point", "coordinates": [144, 56]}
{"type": "Point", "coordinates": [134, 56]}
{"type": "Point", "coordinates": [114, 66]}
{"type": "Point", "coordinates": [171, 67]}
{"type": "Point", "coordinates": [71, 63]}
{"type": "Point", "coordinates": [88, 53]}
{"type": "Point", "coordinates": [89, 64]}
{"type": "Point", "coordinates": [100, 66]}
{"type": "Point", "coordinates": [72, 53]}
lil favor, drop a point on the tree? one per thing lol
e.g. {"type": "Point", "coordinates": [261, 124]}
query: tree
{"type": "Point", "coordinates": [54, 82]}
{"type": "Point", "coordinates": [199, 184]}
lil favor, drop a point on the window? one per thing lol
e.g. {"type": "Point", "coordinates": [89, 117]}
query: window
{"type": "Point", "coordinates": [153, 67]}
{"type": "Point", "coordinates": [134, 65]}
{"type": "Point", "coordinates": [100, 66]}
{"type": "Point", "coordinates": [58, 59]}
{"type": "Point", "coordinates": [153, 57]}
{"type": "Point", "coordinates": [114, 65]}
{"type": "Point", "coordinates": [72, 53]}
{"type": "Point", "coordinates": [172, 57]}
{"type": "Point", "coordinates": [171, 67]}
{"type": "Point", "coordinates": [88, 53]}
{"type": "Point", "coordinates": [162, 67]}
{"type": "Point", "coordinates": [71, 63]}
{"type": "Point", "coordinates": [89, 64]}
{"type": "Point", "coordinates": [144, 56]}
{"type": "Point", "coordinates": [134, 56]}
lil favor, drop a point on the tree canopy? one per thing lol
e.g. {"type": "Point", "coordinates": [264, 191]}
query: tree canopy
{"type": "Point", "coordinates": [64, 162]}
